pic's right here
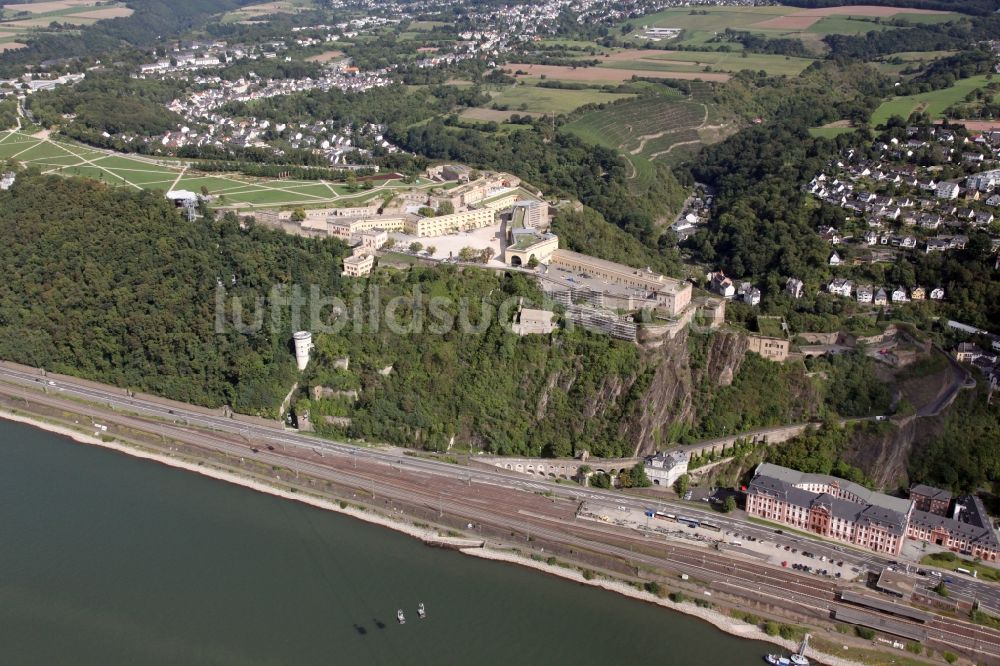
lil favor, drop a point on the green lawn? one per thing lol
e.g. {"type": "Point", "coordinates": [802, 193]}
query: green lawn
{"type": "Point", "coordinates": [829, 132]}
{"type": "Point", "coordinates": [700, 24]}
{"type": "Point", "coordinates": [70, 159]}
{"type": "Point", "coordinates": [954, 562]}
{"type": "Point", "coordinates": [551, 100]}
{"type": "Point", "coordinates": [933, 103]}
{"type": "Point", "coordinates": [845, 25]}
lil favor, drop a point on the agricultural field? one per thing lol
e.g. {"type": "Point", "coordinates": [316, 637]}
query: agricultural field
{"type": "Point", "coordinates": [701, 24]}
{"type": "Point", "coordinates": [606, 74]}
{"type": "Point", "coordinates": [520, 98]}
{"type": "Point", "coordinates": [143, 173]}
{"type": "Point", "coordinates": [829, 132]}
{"type": "Point", "coordinates": [697, 61]}
{"type": "Point", "coordinates": [20, 21]}
{"type": "Point", "coordinates": [253, 13]}
{"type": "Point", "coordinates": [894, 64]}
{"type": "Point", "coordinates": [661, 128]}
{"type": "Point", "coordinates": [933, 103]}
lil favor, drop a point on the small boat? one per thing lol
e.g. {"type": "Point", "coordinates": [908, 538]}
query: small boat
{"type": "Point", "coordinates": [421, 611]}
{"type": "Point", "coordinates": [794, 660]}
{"type": "Point", "coordinates": [400, 616]}
{"type": "Point", "coordinates": [797, 659]}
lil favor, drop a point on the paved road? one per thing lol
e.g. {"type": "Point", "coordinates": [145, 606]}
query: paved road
{"type": "Point", "coordinates": [396, 474]}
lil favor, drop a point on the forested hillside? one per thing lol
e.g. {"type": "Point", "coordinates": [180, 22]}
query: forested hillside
{"type": "Point", "coordinates": [113, 285]}
{"type": "Point", "coordinates": [434, 378]}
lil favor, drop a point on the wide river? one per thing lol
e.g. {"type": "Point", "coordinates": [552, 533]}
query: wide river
{"type": "Point", "coordinates": [108, 560]}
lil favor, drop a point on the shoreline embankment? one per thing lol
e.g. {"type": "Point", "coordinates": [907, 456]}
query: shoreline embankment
{"type": "Point", "coordinates": [432, 537]}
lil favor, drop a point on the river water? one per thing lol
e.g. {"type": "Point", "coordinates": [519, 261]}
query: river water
{"type": "Point", "coordinates": [108, 560]}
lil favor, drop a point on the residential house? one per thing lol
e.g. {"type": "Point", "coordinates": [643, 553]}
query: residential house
{"type": "Point", "coordinates": [871, 238]}
{"type": "Point", "coordinates": [835, 259]}
{"type": "Point", "coordinates": [794, 287]}
{"type": "Point", "coordinates": [929, 221]}
{"type": "Point", "coordinates": [936, 245]}
{"type": "Point", "coordinates": [748, 293]}
{"type": "Point", "coordinates": [983, 219]}
{"type": "Point", "coordinates": [947, 190]}
{"type": "Point", "coordinates": [663, 469]}
{"type": "Point", "coordinates": [830, 235]}
{"type": "Point", "coordinates": [918, 294]}
{"type": "Point", "coordinates": [864, 293]}
{"type": "Point", "coordinates": [899, 295]}
{"type": "Point", "coordinates": [937, 294]}
{"type": "Point", "coordinates": [721, 285]}
{"type": "Point", "coordinates": [840, 287]}
{"type": "Point", "coordinates": [880, 297]}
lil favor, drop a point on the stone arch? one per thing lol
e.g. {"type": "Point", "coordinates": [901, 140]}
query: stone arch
{"type": "Point", "coordinates": [515, 260]}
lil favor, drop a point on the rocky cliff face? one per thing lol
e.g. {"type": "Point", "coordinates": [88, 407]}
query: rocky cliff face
{"type": "Point", "coordinates": [885, 458]}
{"type": "Point", "coordinates": [668, 398]}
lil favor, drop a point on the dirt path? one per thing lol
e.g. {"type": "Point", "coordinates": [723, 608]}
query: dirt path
{"type": "Point", "coordinates": [679, 143]}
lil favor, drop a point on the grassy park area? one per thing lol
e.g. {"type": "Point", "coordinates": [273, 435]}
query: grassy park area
{"type": "Point", "coordinates": [146, 173]}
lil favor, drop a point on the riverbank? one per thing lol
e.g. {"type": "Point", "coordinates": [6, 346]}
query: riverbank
{"type": "Point", "coordinates": [720, 621]}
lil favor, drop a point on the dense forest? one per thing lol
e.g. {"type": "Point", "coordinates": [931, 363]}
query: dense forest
{"type": "Point", "coordinates": [963, 456]}
{"type": "Point", "coordinates": [111, 102]}
{"type": "Point", "coordinates": [114, 285]}
{"type": "Point", "coordinates": [914, 37]}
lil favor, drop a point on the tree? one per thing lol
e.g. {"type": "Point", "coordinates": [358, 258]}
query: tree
{"type": "Point", "coordinates": [485, 254]}
{"type": "Point", "coordinates": [941, 589]}
{"type": "Point", "coordinates": [729, 505]}
{"type": "Point", "coordinates": [298, 215]}
{"type": "Point", "coordinates": [638, 476]}
{"type": "Point", "coordinates": [446, 208]}
{"type": "Point", "coordinates": [467, 253]}
{"type": "Point", "coordinates": [390, 243]}
{"type": "Point", "coordinates": [204, 190]}
{"type": "Point", "coordinates": [431, 250]}
{"type": "Point", "coordinates": [426, 211]}
{"type": "Point", "coordinates": [532, 261]}
{"type": "Point", "coordinates": [600, 480]}
{"type": "Point", "coordinates": [681, 484]}
{"type": "Point", "coordinates": [416, 246]}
